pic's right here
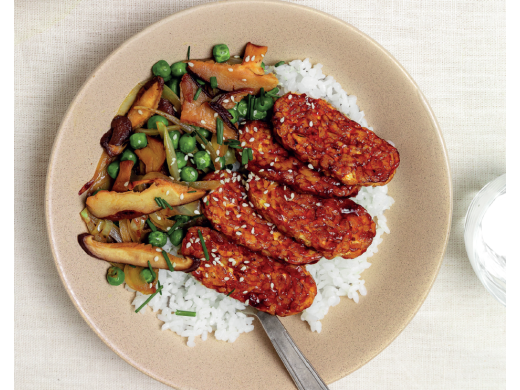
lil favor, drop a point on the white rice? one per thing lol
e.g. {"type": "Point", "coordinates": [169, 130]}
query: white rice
{"type": "Point", "coordinates": [335, 278]}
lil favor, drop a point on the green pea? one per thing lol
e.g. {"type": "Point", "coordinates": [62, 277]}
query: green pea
{"type": "Point", "coordinates": [181, 159]}
{"type": "Point", "coordinates": [175, 136]}
{"type": "Point", "coordinates": [147, 276]}
{"type": "Point", "coordinates": [189, 174]}
{"type": "Point", "coordinates": [257, 115]}
{"type": "Point", "coordinates": [115, 276]}
{"type": "Point", "coordinates": [173, 84]}
{"type": "Point", "coordinates": [178, 69]}
{"type": "Point", "coordinates": [234, 115]}
{"type": "Point", "coordinates": [138, 141]}
{"type": "Point", "coordinates": [157, 238]}
{"type": "Point", "coordinates": [177, 236]}
{"type": "Point", "coordinates": [263, 103]}
{"type": "Point", "coordinates": [187, 143]}
{"type": "Point", "coordinates": [113, 169]}
{"type": "Point", "coordinates": [202, 159]}
{"type": "Point", "coordinates": [241, 108]}
{"type": "Point", "coordinates": [152, 122]}
{"type": "Point", "coordinates": [129, 155]}
{"type": "Point", "coordinates": [161, 68]}
{"type": "Point", "coordinates": [221, 53]}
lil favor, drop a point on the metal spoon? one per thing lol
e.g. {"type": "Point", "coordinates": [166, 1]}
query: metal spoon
{"type": "Point", "coordinates": [303, 374]}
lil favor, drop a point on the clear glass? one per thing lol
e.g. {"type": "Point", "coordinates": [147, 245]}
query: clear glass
{"type": "Point", "coordinates": [483, 237]}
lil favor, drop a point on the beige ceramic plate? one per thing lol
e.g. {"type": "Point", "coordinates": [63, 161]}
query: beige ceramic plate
{"type": "Point", "coordinates": [402, 272]}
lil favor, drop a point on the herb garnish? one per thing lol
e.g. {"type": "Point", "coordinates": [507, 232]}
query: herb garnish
{"type": "Point", "coordinates": [197, 94]}
{"type": "Point", "coordinates": [152, 226]}
{"type": "Point", "coordinates": [188, 55]}
{"type": "Point", "coordinates": [220, 131]}
{"type": "Point", "coordinates": [232, 291]}
{"type": "Point", "coordinates": [213, 82]}
{"type": "Point", "coordinates": [171, 267]}
{"type": "Point", "coordinates": [151, 270]}
{"type": "Point", "coordinates": [149, 299]}
{"type": "Point", "coordinates": [185, 313]}
{"type": "Point", "coordinates": [206, 255]}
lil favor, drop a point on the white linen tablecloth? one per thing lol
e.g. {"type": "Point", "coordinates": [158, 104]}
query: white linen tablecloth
{"type": "Point", "coordinates": [455, 51]}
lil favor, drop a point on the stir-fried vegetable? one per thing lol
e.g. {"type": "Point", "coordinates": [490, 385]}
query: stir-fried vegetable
{"type": "Point", "coordinates": [124, 177]}
{"type": "Point", "coordinates": [169, 95]}
{"type": "Point", "coordinates": [135, 280]}
{"type": "Point", "coordinates": [101, 179]}
{"type": "Point", "coordinates": [153, 132]}
{"type": "Point", "coordinates": [129, 100]}
{"type": "Point", "coordinates": [153, 155]}
{"type": "Point", "coordinates": [171, 157]}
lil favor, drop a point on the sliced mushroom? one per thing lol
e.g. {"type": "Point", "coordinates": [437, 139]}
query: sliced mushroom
{"type": "Point", "coordinates": [148, 96]}
{"type": "Point", "coordinates": [230, 77]}
{"type": "Point", "coordinates": [198, 112]}
{"type": "Point", "coordinates": [113, 141]}
{"type": "Point", "coordinates": [125, 205]}
{"type": "Point", "coordinates": [134, 254]}
{"type": "Point", "coordinates": [153, 155]}
{"type": "Point", "coordinates": [123, 177]}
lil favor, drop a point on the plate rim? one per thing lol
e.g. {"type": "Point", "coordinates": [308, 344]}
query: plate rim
{"type": "Point", "coordinates": [166, 19]}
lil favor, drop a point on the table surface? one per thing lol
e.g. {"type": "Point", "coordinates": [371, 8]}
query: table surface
{"type": "Point", "coordinates": [454, 50]}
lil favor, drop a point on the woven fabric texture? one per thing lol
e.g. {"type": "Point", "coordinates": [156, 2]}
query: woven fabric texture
{"type": "Point", "coordinates": [455, 51]}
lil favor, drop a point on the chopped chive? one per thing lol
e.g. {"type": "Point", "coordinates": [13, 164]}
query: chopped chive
{"type": "Point", "coordinates": [159, 203]}
{"type": "Point", "coordinates": [201, 82]}
{"type": "Point", "coordinates": [190, 192]}
{"type": "Point", "coordinates": [220, 131]}
{"type": "Point", "coordinates": [262, 92]}
{"type": "Point", "coordinates": [232, 291]}
{"type": "Point", "coordinates": [213, 82]}
{"type": "Point", "coordinates": [197, 94]}
{"type": "Point", "coordinates": [151, 270]}
{"type": "Point", "coordinates": [279, 63]}
{"type": "Point", "coordinates": [185, 313]}
{"type": "Point", "coordinates": [160, 287]}
{"type": "Point", "coordinates": [165, 203]}
{"type": "Point", "coordinates": [188, 55]}
{"type": "Point", "coordinates": [152, 226]}
{"type": "Point", "coordinates": [207, 203]}
{"type": "Point", "coordinates": [250, 154]}
{"type": "Point", "coordinates": [149, 299]}
{"type": "Point", "coordinates": [203, 243]}
{"type": "Point", "coordinates": [171, 267]}
{"type": "Point", "coordinates": [273, 92]}
{"type": "Point", "coordinates": [245, 156]}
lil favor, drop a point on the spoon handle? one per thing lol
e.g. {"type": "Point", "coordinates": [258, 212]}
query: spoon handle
{"type": "Point", "coordinates": [302, 372]}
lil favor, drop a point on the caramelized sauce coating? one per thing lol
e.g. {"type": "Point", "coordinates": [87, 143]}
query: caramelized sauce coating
{"type": "Point", "coordinates": [271, 161]}
{"type": "Point", "coordinates": [230, 212]}
{"type": "Point", "coordinates": [335, 227]}
{"type": "Point", "coordinates": [321, 135]}
{"type": "Point", "coordinates": [276, 288]}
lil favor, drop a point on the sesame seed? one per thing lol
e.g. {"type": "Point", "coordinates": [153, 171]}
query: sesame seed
{"type": "Point", "coordinates": [167, 192]}
{"type": "Point", "coordinates": [282, 120]}
{"type": "Point", "coordinates": [318, 204]}
{"type": "Point", "coordinates": [217, 152]}
{"type": "Point", "coordinates": [226, 100]}
{"type": "Point", "coordinates": [230, 69]}
{"type": "Point", "coordinates": [168, 228]}
{"type": "Point", "coordinates": [290, 171]}
{"type": "Point", "coordinates": [262, 55]}
{"type": "Point", "coordinates": [207, 265]}
{"type": "Point", "coordinates": [310, 166]}
{"type": "Point", "coordinates": [272, 163]}
{"type": "Point", "coordinates": [196, 212]}
{"type": "Point", "coordinates": [182, 196]}
{"type": "Point", "coordinates": [246, 262]}
{"type": "Point", "coordinates": [241, 279]}
{"type": "Point", "coordinates": [139, 112]}
{"type": "Point", "coordinates": [272, 285]}
{"type": "Point", "coordinates": [203, 121]}
{"type": "Point", "coordinates": [150, 285]}
{"type": "Point", "coordinates": [243, 226]}
{"type": "Point", "coordinates": [310, 123]}
{"type": "Point", "coordinates": [239, 234]}
{"type": "Point", "coordinates": [232, 98]}
{"type": "Point", "coordinates": [190, 64]}
{"type": "Point", "coordinates": [236, 56]}
{"type": "Point", "coordinates": [158, 249]}
{"type": "Point", "coordinates": [244, 79]}
{"type": "Point", "coordinates": [159, 218]}
{"type": "Point", "coordinates": [243, 144]}
{"type": "Point", "coordinates": [245, 292]}
{"type": "Point", "coordinates": [215, 114]}
{"type": "Point", "coordinates": [244, 204]}
{"type": "Point", "coordinates": [267, 204]}
{"type": "Point", "coordinates": [206, 274]}
{"type": "Point", "coordinates": [246, 59]}
{"type": "Point", "coordinates": [255, 129]}
{"type": "Point", "coordinates": [246, 302]}
{"type": "Point", "coordinates": [226, 278]}
{"type": "Point", "coordinates": [253, 231]}
{"type": "Point", "coordinates": [243, 268]}
{"type": "Point", "coordinates": [188, 244]}
{"type": "Point", "coordinates": [186, 158]}
{"type": "Point", "coordinates": [290, 97]}
{"type": "Point", "coordinates": [239, 215]}
{"type": "Point", "coordinates": [252, 140]}
{"type": "Point", "coordinates": [126, 184]}
{"type": "Point", "coordinates": [156, 258]}
{"type": "Point", "coordinates": [139, 141]}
